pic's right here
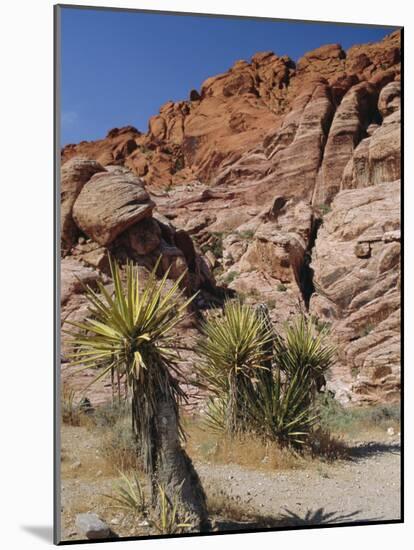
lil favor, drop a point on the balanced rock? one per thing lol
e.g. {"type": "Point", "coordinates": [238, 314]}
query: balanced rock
{"type": "Point", "coordinates": [75, 173]}
{"type": "Point", "coordinates": [109, 204]}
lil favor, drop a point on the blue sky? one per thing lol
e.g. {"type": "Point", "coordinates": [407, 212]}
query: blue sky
{"type": "Point", "coordinates": [119, 67]}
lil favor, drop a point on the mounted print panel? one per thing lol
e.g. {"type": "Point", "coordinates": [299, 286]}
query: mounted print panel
{"type": "Point", "coordinates": [228, 204]}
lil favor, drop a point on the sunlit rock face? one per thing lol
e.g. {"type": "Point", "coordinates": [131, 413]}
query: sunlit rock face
{"type": "Point", "coordinates": [276, 181]}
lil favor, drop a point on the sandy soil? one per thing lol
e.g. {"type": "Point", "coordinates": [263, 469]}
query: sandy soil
{"type": "Point", "coordinates": [364, 488]}
{"type": "Point", "coordinates": [367, 488]}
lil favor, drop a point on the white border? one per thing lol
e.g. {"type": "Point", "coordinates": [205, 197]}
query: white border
{"type": "Point", "coordinates": [26, 312]}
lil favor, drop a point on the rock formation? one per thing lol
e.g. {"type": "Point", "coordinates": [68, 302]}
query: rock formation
{"type": "Point", "coordinates": [276, 180]}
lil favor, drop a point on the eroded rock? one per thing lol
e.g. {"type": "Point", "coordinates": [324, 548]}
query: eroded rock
{"type": "Point", "coordinates": [356, 278]}
{"type": "Point", "coordinates": [109, 204]}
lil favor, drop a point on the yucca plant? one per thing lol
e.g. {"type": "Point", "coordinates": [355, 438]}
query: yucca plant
{"type": "Point", "coordinates": [233, 350]}
{"type": "Point", "coordinates": [283, 407]}
{"type": "Point", "coordinates": [280, 409]}
{"type": "Point", "coordinates": [129, 332]}
{"type": "Point", "coordinates": [170, 519]}
{"type": "Point", "coordinates": [305, 350]}
{"type": "Point", "coordinates": [129, 495]}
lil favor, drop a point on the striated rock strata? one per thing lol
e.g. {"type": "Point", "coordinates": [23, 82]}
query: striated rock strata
{"type": "Point", "coordinates": [276, 181]}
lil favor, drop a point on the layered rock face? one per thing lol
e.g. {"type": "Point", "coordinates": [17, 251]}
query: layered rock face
{"type": "Point", "coordinates": [276, 181]}
{"type": "Point", "coordinates": [356, 265]}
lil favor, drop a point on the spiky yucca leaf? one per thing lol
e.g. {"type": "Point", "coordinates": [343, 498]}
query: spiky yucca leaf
{"type": "Point", "coordinates": [170, 520]}
{"type": "Point", "coordinates": [280, 410]}
{"type": "Point", "coordinates": [128, 332]}
{"type": "Point", "coordinates": [303, 349]}
{"type": "Point", "coordinates": [233, 349]}
{"type": "Point", "coordinates": [129, 495]}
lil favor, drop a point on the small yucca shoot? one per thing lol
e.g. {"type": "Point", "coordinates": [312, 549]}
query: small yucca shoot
{"type": "Point", "coordinates": [129, 495]}
{"type": "Point", "coordinates": [169, 521]}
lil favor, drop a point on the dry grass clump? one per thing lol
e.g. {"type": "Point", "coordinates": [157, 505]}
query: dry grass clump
{"type": "Point", "coordinates": [253, 453]}
{"type": "Point", "coordinates": [222, 504]}
{"type": "Point", "coordinates": [119, 447]}
{"type": "Point", "coordinates": [247, 451]}
{"type": "Point", "coordinates": [70, 410]}
{"type": "Point", "coordinates": [324, 445]}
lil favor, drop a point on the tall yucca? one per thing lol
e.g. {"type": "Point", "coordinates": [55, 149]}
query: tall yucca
{"type": "Point", "coordinates": [233, 349]}
{"type": "Point", "coordinates": [129, 331]}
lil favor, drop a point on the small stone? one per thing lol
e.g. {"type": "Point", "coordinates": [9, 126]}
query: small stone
{"type": "Point", "coordinates": [391, 431]}
{"type": "Point", "coordinates": [144, 523]}
{"type": "Point", "coordinates": [362, 250]}
{"type": "Point", "coordinates": [76, 465]}
{"type": "Point", "coordinates": [92, 527]}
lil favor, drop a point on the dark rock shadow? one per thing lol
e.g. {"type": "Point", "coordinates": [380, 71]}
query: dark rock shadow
{"type": "Point", "coordinates": [42, 532]}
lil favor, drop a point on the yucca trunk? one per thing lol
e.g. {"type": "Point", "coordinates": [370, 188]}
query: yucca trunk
{"type": "Point", "coordinates": [165, 461]}
{"type": "Point", "coordinates": [174, 469]}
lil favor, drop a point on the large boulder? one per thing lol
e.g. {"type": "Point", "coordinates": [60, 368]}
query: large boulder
{"type": "Point", "coordinates": [74, 174]}
{"type": "Point", "coordinates": [109, 204]}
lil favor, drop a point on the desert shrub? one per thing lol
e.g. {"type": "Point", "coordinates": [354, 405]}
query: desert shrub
{"type": "Point", "coordinates": [281, 287]}
{"type": "Point", "coordinates": [109, 414]}
{"type": "Point", "coordinates": [128, 495]}
{"type": "Point", "coordinates": [324, 209]}
{"type": "Point", "coordinates": [170, 518]}
{"type": "Point", "coordinates": [70, 410]}
{"type": "Point", "coordinates": [305, 350]}
{"type": "Point", "coordinates": [120, 447]}
{"type": "Point", "coordinates": [232, 349]}
{"type": "Point", "coordinates": [217, 245]}
{"type": "Point", "coordinates": [246, 234]}
{"type": "Point", "coordinates": [367, 329]}
{"type": "Point", "coordinates": [337, 418]}
{"type": "Point", "coordinates": [321, 325]}
{"type": "Point", "coordinates": [323, 444]}
{"type": "Point", "coordinates": [179, 164]}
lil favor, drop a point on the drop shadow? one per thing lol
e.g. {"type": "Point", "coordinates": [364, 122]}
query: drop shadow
{"type": "Point", "coordinates": [42, 532]}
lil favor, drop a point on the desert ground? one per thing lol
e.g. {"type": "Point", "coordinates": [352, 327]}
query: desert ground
{"type": "Point", "coordinates": [247, 486]}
